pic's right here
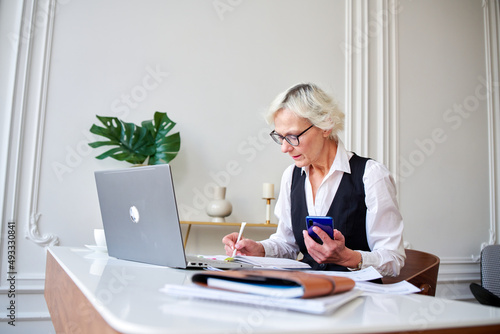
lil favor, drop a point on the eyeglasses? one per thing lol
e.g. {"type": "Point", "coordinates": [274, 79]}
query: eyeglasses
{"type": "Point", "coordinates": [291, 139]}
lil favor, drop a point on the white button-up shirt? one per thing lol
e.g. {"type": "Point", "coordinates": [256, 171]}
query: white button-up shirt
{"type": "Point", "coordinates": [384, 223]}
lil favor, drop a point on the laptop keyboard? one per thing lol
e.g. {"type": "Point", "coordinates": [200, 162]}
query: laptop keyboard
{"type": "Point", "coordinates": [195, 261]}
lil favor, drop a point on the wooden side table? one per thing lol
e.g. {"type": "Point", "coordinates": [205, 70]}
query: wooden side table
{"type": "Point", "coordinates": [191, 223]}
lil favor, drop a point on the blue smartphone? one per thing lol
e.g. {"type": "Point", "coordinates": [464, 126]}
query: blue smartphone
{"type": "Point", "coordinates": [325, 223]}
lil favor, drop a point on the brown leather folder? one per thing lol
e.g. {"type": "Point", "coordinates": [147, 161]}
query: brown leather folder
{"type": "Point", "coordinates": [314, 285]}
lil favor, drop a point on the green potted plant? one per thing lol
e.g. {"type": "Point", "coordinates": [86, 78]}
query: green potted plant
{"type": "Point", "coordinates": [149, 143]}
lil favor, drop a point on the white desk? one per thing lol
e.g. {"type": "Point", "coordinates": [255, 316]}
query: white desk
{"type": "Point", "coordinates": [89, 292]}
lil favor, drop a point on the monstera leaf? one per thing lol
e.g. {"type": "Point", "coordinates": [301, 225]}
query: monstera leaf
{"type": "Point", "coordinates": [134, 143]}
{"type": "Point", "coordinates": [166, 146]}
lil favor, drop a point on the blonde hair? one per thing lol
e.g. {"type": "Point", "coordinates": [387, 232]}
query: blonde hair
{"type": "Point", "coordinates": [308, 101]}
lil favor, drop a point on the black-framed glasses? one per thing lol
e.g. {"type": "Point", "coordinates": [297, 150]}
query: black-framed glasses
{"type": "Point", "coordinates": [291, 139]}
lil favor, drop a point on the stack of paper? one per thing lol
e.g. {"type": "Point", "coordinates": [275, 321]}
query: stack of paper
{"type": "Point", "coordinates": [286, 297]}
{"type": "Point", "coordinates": [321, 305]}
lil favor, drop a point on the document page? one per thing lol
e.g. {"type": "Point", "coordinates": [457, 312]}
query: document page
{"type": "Point", "coordinates": [366, 274]}
{"type": "Point", "coordinates": [272, 262]}
{"type": "Point", "coordinates": [263, 262]}
{"type": "Point", "coordinates": [400, 288]}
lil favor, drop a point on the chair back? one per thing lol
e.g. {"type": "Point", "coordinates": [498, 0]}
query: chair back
{"type": "Point", "coordinates": [490, 269]}
{"type": "Point", "coordinates": [420, 269]}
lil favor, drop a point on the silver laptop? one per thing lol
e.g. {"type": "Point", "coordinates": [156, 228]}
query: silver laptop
{"type": "Point", "coordinates": [140, 218]}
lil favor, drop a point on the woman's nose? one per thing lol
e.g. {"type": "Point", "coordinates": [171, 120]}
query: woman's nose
{"type": "Point", "coordinates": [286, 147]}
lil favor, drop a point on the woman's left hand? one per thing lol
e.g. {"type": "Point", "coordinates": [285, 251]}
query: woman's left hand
{"type": "Point", "coordinates": [331, 251]}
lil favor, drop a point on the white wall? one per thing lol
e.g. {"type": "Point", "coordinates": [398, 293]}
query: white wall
{"type": "Point", "coordinates": [214, 66]}
{"type": "Point", "coordinates": [448, 174]}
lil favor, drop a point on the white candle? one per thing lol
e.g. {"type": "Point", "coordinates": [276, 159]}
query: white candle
{"type": "Point", "coordinates": [268, 190]}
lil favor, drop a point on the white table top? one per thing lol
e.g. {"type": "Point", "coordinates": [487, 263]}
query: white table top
{"type": "Point", "coordinates": [127, 296]}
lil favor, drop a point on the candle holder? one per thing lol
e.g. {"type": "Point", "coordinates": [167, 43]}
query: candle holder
{"type": "Point", "coordinates": [268, 195]}
{"type": "Point", "coordinates": [268, 209]}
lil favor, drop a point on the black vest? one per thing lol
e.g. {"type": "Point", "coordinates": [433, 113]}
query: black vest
{"type": "Point", "coordinates": [348, 211]}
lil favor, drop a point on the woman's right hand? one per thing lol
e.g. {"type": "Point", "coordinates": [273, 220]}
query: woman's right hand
{"type": "Point", "coordinates": [243, 247]}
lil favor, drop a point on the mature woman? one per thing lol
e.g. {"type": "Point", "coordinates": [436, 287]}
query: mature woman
{"type": "Point", "coordinates": [327, 180]}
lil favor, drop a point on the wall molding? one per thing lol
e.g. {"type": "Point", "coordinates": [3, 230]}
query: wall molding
{"type": "Point", "coordinates": [28, 116]}
{"type": "Point", "coordinates": [17, 112]}
{"type": "Point", "coordinates": [492, 51]}
{"type": "Point", "coordinates": [27, 290]}
{"type": "Point", "coordinates": [356, 76]}
{"type": "Point", "coordinates": [28, 316]}
{"type": "Point", "coordinates": [34, 86]}
{"type": "Point", "coordinates": [32, 40]}
{"type": "Point", "coordinates": [388, 60]}
{"type": "Point", "coordinates": [372, 86]}
{"type": "Point", "coordinates": [32, 230]}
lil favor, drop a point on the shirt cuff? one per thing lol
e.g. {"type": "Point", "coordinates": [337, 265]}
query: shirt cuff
{"type": "Point", "coordinates": [362, 263]}
{"type": "Point", "coordinates": [268, 249]}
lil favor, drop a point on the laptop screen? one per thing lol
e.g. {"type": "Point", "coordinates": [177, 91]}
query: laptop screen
{"type": "Point", "coordinates": [139, 215]}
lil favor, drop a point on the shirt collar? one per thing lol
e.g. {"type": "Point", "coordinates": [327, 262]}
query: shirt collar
{"type": "Point", "coordinates": [340, 163]}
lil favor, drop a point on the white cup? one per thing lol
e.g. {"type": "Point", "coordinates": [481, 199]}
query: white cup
{"type": "Point", "coordinates": [100, 239]}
